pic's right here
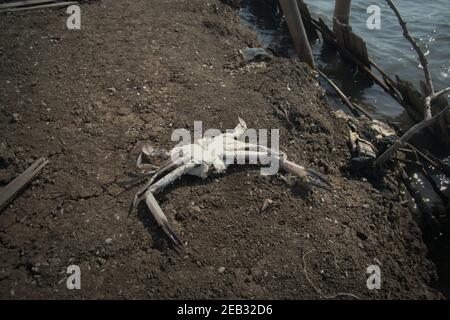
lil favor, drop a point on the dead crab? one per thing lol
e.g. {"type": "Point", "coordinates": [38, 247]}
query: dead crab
{"type": "Point", "coordinates": [199, 158]}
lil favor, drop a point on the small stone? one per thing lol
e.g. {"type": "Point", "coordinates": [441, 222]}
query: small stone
{"type": "Point", "coordinates": [15, 118]}
{"type": "Point", "coordinates": [196, 209]}
{"type": "Point", "coordinates": [221, 269]}
{"type": "Point", "coordinates": [108, 241]}
{"type": "Point", "coordinates": [112, 90]}
{"type": "Point", "coordinates": [266, 205]}
{"type": "Point", "coordinates": [366, 206]}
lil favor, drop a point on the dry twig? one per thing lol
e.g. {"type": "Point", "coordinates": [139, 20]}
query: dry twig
{"type": "Point", "coordinates": [353, 107]}
{"type": "Point", "coordinates": [407, 136]}
{"type": "Point", "coordinates": [8, 193]}
{"type": "Point", "coordinates": [305, 271]}
{"type": "Point", "coordinates": [407, 35]}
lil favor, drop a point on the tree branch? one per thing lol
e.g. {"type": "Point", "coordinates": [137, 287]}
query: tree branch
{"type": "Point", "coordinates": [353, 107]}
{"type": "Point", "coordinates": [408, 135]}
{"type": "Point", "coordinates": [442, 92]}
{"type": "Point", "coordinates": [422, 57]}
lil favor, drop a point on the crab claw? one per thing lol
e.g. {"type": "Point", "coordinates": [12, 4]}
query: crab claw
{"type": "Point", "coordinates": [161, 219]}
{"type": "Point", "coordinates": [316, 180]}
{"type": "Point", "coordinates": [308, 176]}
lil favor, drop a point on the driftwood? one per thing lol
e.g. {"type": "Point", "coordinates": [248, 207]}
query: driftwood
{"type": "Point", "coordinates": [419, 106]}
{"type": "Point", "coordinates": [349, 40]}
{"type": "Point", "coordinates": [22, 3]}
{"type": "Point", "coordinates": [413, 100]}
{"type": "Point", "coordinates": [408, 135]}
{"type": "Point", "coordinates": [43, 6]}
{"type": "Point", "coordinates": [297, 30]}
{"type": "Point", "coordinates": [342, 10]}
{"type": "Point", "coordinates": [8, 193]}
{"type": "Point", "coordinates": [433, 97]}
{"type": "Point", "coordinates": [306, 17]}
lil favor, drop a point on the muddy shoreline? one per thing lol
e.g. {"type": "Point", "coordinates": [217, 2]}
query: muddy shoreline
{"type": "Point", "coordinates": [134, 73]}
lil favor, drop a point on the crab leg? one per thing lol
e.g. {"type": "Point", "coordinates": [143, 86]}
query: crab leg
{"type": "Point", "coordinates": [166, 167]}
{"type": "Point", "coordinates": [307, 175]}
{"type": "Point", "coordinates": [160, 218]}
{"type": "Point", "coordinates": [236, 145]}
{"type": "Point", "coordinates": [153, 205]}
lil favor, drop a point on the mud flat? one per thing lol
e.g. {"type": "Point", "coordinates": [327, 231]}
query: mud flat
{"type": "Point", "coordinates": [134, 73]}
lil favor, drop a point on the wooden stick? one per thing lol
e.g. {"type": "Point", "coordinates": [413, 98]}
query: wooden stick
{"type": "Point", "coordinates": [407, 136]}
{"type": "Point", "coordinates": [418, 164]}
{"type": "Point", "coordinates": [297, 31]}
{"type": "Point", "coordinates": [437, 163]}
{"type": "Point", "coordinates": [44, 6]}
{"type": "Point", "coordinates": [431, 98]}
{"type": "Point", "coordinates": [421, 154]}
{"type": "Point", "coordinates": [406, 34]}
{"type": "Point", "coordinates": [344, 98]}
{"type": "Point", "coordinates": [342, 11]}
{"type": "Point", "coordinates": [441, 93]}
{"type": "Point", "coordinates": [388, 80]}
{"type": "Point", "coordinates": [361, 109]}
{"type": "Point", "coordinates": [319, 291]}
{"type": "Point", "coordinates": [23, 3]}
{"type": "Point", "coordinates": [380, 82]}
{"type": "Point", "coordinates": [8, 193]}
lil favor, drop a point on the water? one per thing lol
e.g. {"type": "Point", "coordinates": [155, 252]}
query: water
{"type": "Point", "coordinates": [428, 23]}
